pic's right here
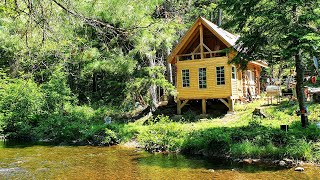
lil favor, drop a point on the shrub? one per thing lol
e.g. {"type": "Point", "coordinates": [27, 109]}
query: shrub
{"type": "Point", "coordinates": [246, 149]}
{"type": "Point", "coordinates": [57, 92]}
{"type": "Point", "coordinates": [214, 140]}
{"type": "Point", "coordinates": [78, 124]}
{"type": "Point", "coordinates": [162, 136]}
{"type": "Point", "coordinates": [299, 149]}
{"type": "Point", "coordinates": [315, 147]}
{"type": "Point", "coordinates": [110, 137]}
{"type": "Point", "coordinates": [21, 105]}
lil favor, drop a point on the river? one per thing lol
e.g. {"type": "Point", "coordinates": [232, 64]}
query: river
{"type": "Point", "coordinates": [26, 161]}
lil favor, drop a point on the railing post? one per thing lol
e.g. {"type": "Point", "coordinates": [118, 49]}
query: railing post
{"type": "Point", "coordinates": [201, 41]}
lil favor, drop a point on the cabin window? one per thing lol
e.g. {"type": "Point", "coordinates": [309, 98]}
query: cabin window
{"type": "Point", "coordinates": [185, 78]}
{"type": "Point", "coordinates": [234, 72]}
{"type": "Point", "coordinates": [202, 78]}
{"type": "Point", "coordinates": [220, 75]}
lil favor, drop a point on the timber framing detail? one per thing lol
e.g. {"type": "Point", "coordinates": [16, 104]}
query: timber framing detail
{"type": "Point", "coordinates": [205, 52]}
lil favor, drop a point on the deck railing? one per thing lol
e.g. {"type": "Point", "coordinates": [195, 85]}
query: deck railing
{"type": "Point", "coordinates": [194, 56]}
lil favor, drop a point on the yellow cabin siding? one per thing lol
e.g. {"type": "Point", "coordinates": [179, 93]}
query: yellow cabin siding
{"type": "Point", "coordinates": [213, 90]}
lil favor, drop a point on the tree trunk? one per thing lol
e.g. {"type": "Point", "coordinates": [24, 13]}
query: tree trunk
{"type": "Point", "coordinates": [169, 68]}
{"type": "Point", "coordinates": [300, 89]}
{"type": "Point", "coordinates": [153, 87]}
{"type": "Point", "coordinates": [219, 21]}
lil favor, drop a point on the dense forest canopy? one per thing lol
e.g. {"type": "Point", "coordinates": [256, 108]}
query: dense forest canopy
{"type": "Point", "coordinates": [279, 32]}
{"type": "Point", "coordinates": [60, 55]}
{"type": "Point", "coordinates": [111, 51]}
{"type": "Point", "coordinates": [66, 61]}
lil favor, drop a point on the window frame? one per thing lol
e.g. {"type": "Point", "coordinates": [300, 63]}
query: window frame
{"type": "Point", "coordinates": [220, 75]}
{"type": "Point", "coordinates": [233, 72]}
{"type": "Point", "coordinates": [202, 83]}
{"type": "Point", "coordinates": [183, 82]}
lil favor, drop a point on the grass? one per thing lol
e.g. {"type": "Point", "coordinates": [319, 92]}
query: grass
{"type": "Point", "coordinates": [239, 135]}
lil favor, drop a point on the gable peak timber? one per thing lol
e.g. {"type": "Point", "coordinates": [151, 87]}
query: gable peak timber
{"type": "Point", "coordinates": [228, 39]}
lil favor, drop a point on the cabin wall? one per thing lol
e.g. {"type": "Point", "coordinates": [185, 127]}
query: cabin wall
{"type": "Point", "coordinates": [234, 87]}
{"type": "Point", "coordinates": [240, 83]}
{"type": "Point", "coordinates": [251, 87]}
{"type": "Point", "coordinates": [213, 91]}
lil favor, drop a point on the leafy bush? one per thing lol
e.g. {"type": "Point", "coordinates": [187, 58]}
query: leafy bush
{"type": "Point", "coordinates": [248, 149]}
{"type": "Point", "coordinates": [245, 149]}
{"type": "Point", "coordinates": [111, 137]}
{"type": "Point", "coordinates": [21, 103]}
{"type": "Point", "coordinates": [214, 140]}
{"type": "Point", "coordinates": [57, 92]}
{"type": "Point", "coordinates": [299, 149]}
{"type": "Point", "coordinates": [162, 135]}
{"type": "Point", "coordinates": [78, 124]}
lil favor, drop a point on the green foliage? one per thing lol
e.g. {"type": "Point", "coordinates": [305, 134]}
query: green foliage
{"type": "Point", "coordinates": [246, 149]}
{"type": "Point", "coordinates": [217, 141]}
{"type": "Point", "coordinates": [56, 91]}
{"type": "Point", "coordinates": [21, 104]}
{"type": "Point", "coordinates": [110, 137]}
{"type": "Point", "coordinates": [162, 135]}
{"type": "Point", "coordinates": [77, 125]}
{"type": "Point", "coordinates": [299, 149]}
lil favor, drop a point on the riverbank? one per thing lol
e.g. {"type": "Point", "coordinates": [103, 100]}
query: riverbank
{"type": "Point", "coordinates": [118, 162]}
{"type": "Point", "coordinates": [238, 136]}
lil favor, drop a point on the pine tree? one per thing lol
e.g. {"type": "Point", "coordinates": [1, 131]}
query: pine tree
{"type": "Point", "coordinates": [276, 30]}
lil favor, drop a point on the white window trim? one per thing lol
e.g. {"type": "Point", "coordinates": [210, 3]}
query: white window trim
{"type": "Point", "coordinates": [182, 78]}
{"type": "Point", "coordinates": [224, 75]}
{"type": "Point", "coordinates": [199, 78]}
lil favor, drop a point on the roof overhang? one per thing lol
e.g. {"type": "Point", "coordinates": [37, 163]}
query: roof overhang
{"type": "Point", "coordinates": [227, 38]}
{"type": "Point", "coordinates": [260, 63]}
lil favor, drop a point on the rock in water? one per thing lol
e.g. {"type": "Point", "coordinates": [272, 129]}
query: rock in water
{"type": "Point", "coordinates": [299, 169]}
{"type": "Point", "coordinates": [10, 170]}
{"type": "Point", "coordinates": [256, 161]}
{"type": "Point", "coordinates": [247, 161]}
{"type": "Point", "coordinates": [282, 163]}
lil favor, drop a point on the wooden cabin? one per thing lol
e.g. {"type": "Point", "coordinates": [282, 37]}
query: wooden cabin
{"type": "Point", "coordinates": [202, 71]}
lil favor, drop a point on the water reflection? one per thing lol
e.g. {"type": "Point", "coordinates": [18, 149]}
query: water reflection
{"type": "Point", "coordinates": [34, 161]}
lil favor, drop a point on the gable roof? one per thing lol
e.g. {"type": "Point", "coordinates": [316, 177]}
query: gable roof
{"type": "Point", "coordinates": [229, 37]}
{"type": "Point", "coordinates": [226, 37]}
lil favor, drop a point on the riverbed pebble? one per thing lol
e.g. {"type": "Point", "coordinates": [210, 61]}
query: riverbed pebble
{"type": "Point", "coordinates": [256, 161]}
{"type": "Point", "coordinates": [299, 169]}
{"type": "Point", "coordinates": [275, 162]}
{"type": "Point", "coordinates": [282, 163]}
{"type": "Point", "coordinates": [300, 163]}
{"type": "Point", "coordinates": [247, 161]}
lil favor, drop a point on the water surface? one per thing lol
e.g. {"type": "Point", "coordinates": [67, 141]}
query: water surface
{"type": "Point", "coordinates": [25, 161]}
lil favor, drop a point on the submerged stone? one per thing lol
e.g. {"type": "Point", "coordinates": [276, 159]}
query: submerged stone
{"type": "Point", "coordinates": [9, 170]}
{"type": "Point", "coordinates": [299, 169]}
{"type": "Point", "coordinates": [256, 161]}
{"type": "Point", "coordinates": [282, 163]}
{"type": "Point", "coordinates": [247, 161]}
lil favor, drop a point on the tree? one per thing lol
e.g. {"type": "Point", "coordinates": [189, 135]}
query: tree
{"type": "Point", "coordinates": [277, 30]}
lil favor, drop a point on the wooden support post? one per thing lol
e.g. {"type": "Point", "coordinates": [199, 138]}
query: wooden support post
{"type": "Point", "coordinates": [258, 81]}
{"type": "Point", "coordinates": [231, 104]}
{"type": "Point", "coordinates": [179, 107]}
{"type": "Point", "coordinates": [184, 103]}
{"type": "Point", "coordinates": [201, 41]}
{"type": "Point", "coordinates": [204, 107]}
{"type": "Point", "coordinates": [225, 103]}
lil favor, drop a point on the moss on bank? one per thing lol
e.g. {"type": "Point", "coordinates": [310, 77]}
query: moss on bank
{"type": "Point", "coordinates": [238, 136]}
